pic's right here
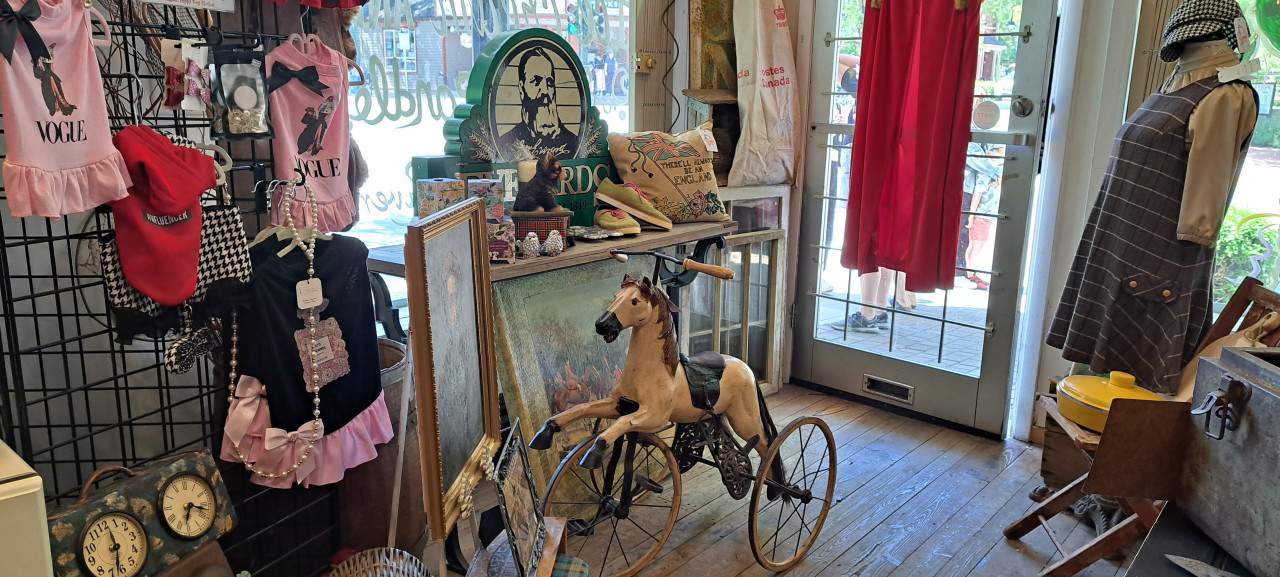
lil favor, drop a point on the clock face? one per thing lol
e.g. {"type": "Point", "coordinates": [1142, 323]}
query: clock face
{"type": "Point", "coordinates": [187, 505]}
{"type": "Point", "coordinates": [114, 545]}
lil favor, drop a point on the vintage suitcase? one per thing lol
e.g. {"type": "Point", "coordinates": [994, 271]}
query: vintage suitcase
{"type": "Point", "coordinates": [1229, 484]}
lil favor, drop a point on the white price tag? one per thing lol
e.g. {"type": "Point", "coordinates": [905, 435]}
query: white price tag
{"type": "Point", "coordinates": [708, 140]}
{"type": "Point", "coordinates": [1244, 42]}
{"type": "Point", "coordinates": [309, 293]}
{"type": "Point", "coordinates": [1240, 71]}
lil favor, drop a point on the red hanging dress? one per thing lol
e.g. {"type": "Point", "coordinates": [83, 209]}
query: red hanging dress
{"type": "Point", "coordinates": [915, 96]}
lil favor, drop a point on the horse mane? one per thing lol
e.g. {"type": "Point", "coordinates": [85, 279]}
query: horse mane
{"type": "Point", "coordinates": [658, 298]}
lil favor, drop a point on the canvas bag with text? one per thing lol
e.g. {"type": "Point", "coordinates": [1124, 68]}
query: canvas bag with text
{"type": "Point", "coordinates": [766, 94]}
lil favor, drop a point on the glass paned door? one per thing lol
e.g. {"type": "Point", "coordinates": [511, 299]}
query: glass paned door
{"type": "Point", "coordinates": [944, 353]}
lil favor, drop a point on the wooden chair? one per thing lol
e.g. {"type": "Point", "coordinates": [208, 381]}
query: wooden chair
{"type": "Point", "coordinates": [1132, 459]}
{"type": "Point", "coordinates": [1247, 305]}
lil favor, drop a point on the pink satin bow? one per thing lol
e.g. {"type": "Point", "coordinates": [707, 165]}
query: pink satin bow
{"type": "Point", "coordinates": [249, 397]}
{"type": "Point", "coordinates": [310, 431]}
{"type": "Point", "coordinates": [293, 443]}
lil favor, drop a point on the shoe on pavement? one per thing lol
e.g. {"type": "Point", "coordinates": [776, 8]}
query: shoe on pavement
{"type": "Point", "coordinates": [860, 324]}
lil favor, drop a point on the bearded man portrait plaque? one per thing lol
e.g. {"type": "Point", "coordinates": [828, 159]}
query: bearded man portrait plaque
{"type": "Point", "coordinates": [527, 96]}
{"type": "Point", "coordinates": [538, 105]}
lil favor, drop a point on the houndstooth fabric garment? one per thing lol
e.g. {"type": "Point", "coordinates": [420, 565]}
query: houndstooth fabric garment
{"type": "Point", "coordinates": [1199, 20]}
{"type": "Point", "coordinates": [1138, 299]}
{"type": "Point", "coordinates": [224, 255]}
{"type": "Point", "coordinates": [223, 261]}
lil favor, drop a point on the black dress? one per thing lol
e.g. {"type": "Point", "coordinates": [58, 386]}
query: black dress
{"type": "Point", "coordinates": [351, 406]}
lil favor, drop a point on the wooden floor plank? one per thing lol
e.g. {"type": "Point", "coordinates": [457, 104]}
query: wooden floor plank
{"type": "Point", "coordinates": [940, 506]}
{"type": "Point", "coordinates": [973, 550]}
{"type": "Point", "coordinates": [912, 499]}
{"type": "Point", "coordinates": [894, 478]}
{"type": "Point", "coordinates": [1026, 556]}
{"type": "Point", "coordinates": [725, 516]}
{"type": "Point", "coordinates": [956, 533]}
{"type": "Point", "coordinates": [880, 499]}
{"type": "Point", "coordinates": [704, 501]}
{"type": "Point", "coordinates": [725, 550]}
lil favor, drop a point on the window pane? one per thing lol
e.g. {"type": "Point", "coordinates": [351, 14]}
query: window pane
{"type": "Point", "coordinates": [1249, 239]}
{"type": "Point", "coordinates": [731, 303]}
{"type": "Point", "coordinates": [758, 350]}
{"type": "Point", "coordinates": [417, 57]}
{"type": "Point", "coordinates": [699, 304]}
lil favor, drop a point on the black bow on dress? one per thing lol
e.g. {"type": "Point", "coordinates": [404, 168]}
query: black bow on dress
{"type": "Point", "coordinates": [281, 75]}
{"type": "Point", "coordinates": [14, 23]}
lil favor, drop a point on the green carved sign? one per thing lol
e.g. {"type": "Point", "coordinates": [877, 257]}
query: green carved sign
{"type": "Point", "coordinates": [527, 96]}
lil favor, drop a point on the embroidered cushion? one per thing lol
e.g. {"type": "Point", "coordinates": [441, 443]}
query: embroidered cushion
{"type": "Point", "coordinates": [673, 170]}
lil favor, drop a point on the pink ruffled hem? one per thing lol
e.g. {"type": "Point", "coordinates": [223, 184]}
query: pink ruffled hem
{"type": "Point", "coordinates": [352, 445]}
{"type": "Point", "coordinates": [35, 191]}
{"type": "Point", "coordinates": [333, 216]}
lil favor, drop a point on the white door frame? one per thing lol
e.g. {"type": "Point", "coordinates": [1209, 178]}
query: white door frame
{"type": "Point", "coordinates": [982, 403]}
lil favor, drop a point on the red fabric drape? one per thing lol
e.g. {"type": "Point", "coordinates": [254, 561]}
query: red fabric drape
{"type": "Point", "coordinates": [915, 97]}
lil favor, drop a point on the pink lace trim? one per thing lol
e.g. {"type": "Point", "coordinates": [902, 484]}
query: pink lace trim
{"type": "Point", "coordinates": [34, 191]}
{"type": "Point", "coordinates": [334, 215]}
{"type": "Point", "coordinates": [249, 428]}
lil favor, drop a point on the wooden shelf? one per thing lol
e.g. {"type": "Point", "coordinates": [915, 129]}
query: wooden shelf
{"type": "Point", "coordinates": [390, 259]}
{"type": "Point", "coordinates": [731, 193]}
{"type": "Point", "coordinates": [712, 95]}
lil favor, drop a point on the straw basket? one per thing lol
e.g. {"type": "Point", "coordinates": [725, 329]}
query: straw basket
{"type": "Point", "coordinates": [381, 562]}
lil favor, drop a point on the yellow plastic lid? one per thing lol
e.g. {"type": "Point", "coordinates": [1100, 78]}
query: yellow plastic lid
{"type": "Point", "coordinates": [1098, 392]}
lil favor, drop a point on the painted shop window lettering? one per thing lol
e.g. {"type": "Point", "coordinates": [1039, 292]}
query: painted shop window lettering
{"type": "Point", "coordinates": [417, 58]}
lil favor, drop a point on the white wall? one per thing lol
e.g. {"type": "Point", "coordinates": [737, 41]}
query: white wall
{"type": "Point", "coordinates": [1095, 49]}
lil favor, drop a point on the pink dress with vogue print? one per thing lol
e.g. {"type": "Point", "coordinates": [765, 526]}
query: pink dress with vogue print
{"type": "Point", "coordinates": [309, 115]}
{"type": "Point", "coordinates": [60, 159]}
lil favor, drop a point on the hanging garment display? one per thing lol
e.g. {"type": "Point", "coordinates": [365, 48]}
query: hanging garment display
{"type": "Point", "coordinates": [915, 97]}
{"type": "Point", "coordinates": [280, 436]}
{"type": "Point", "coordinates": [1137, 298]}
{"type": "Point", "coordinates": [308, 85]}
{"type": "Point", "coordinates": [222, 275]}
{"type": "Point", "coordinates": [766, 95]}
{"type": "Point", "coordinates": [239, 93]}
{"type": "Point", "coordinates": [59, 158]}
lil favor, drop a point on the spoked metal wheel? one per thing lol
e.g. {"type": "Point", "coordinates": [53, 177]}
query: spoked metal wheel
{"type": "Point", "coordinates": [622, 514]}
{"type": "Point", "coordinates": [792, 493]}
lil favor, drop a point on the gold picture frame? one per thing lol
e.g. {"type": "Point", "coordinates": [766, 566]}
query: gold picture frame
{"type": "Point", "coordinates": [447, 270]}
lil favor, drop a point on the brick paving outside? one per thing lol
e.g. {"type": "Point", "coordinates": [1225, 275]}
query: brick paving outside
{"type": "Point", "coordinates": [915, 339]}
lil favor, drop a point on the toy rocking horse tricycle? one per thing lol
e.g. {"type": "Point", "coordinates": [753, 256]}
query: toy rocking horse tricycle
{"type": "Point", "coordinates": [621, 489]}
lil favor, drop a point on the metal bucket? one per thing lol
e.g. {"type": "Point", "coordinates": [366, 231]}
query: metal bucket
{"type": "Point", "coordinates": [364, 522]}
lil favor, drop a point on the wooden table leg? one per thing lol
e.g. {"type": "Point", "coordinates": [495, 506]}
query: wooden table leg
{"type": "Point", "coordinates": [1055, 504]}
{"type": "Point", "coordinates": [1115, 539]}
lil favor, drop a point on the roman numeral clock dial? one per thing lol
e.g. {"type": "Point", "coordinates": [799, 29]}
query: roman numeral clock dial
{"type": "Point", "coordinates": [187, 505]}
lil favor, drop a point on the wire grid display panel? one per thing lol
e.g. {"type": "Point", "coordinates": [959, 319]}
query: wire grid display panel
{"type": "Point", "coordinates": [73, 399]}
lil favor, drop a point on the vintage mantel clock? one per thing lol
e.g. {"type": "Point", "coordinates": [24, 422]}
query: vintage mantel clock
{"type": "Point", "coordinates": [187, 504]}
{"type": "Point", "coordinates": [143, 524]}
{"type": "Point", "coordinates": [114, 544]}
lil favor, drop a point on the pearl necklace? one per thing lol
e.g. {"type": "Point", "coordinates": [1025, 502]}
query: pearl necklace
{"type": "Point", "coordinates": [309, 248]}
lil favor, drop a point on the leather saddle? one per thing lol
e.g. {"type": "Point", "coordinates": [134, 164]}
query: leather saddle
{"type": "Point", "coordinates": [703, 372]}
